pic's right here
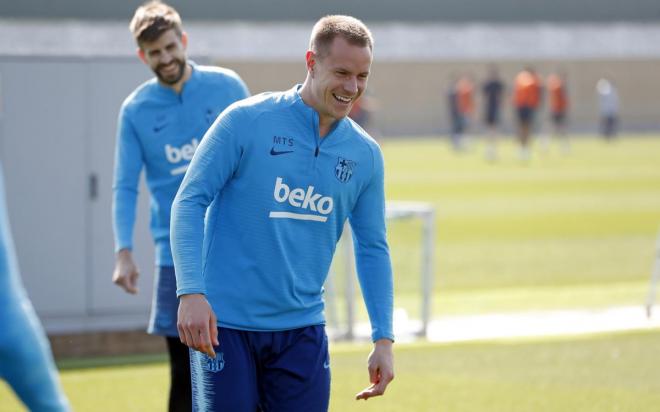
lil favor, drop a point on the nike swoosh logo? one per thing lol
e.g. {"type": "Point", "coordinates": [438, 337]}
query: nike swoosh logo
{"type": "Point", "coordinates": [326, 364]}
{"type": "Point", "coordinates": [159, 128]}
{"type": "Point", "coordinates": [275, 152]}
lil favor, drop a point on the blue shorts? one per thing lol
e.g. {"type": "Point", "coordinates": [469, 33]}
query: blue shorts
{"type": "Point", "coordinates": [164, 304]}
{"type": "Point", "coordinates": [268, 371]}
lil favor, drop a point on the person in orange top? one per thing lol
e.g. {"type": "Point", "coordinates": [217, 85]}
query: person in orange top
{"type": "Point", "coordinates": [527, 93]}
{"type": "Point", "coordinates": [558, 96]}
{"type": "Point", "coordinates": [464, 90]}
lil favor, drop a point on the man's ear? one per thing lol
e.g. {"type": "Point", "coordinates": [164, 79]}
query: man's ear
{"type": "Point", "coordinates": [310, 61]}
{"type": "Point", "coordinates": [141, 55]}
{"type": "Point", "coordinates": [184, 39]}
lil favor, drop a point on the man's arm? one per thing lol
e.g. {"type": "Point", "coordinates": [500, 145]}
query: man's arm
{"type": "Point", "coordinates": [375, 274]}
{"type": "Point", "coordinates": [128, 165]}
{"type": "Point", "coordinates": [215, 161]}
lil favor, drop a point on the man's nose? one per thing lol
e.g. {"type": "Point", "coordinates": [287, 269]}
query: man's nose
{"type": "Point", "coordinates": [350, 85]}
{"type": "Point", "coordinates": [166, 58]}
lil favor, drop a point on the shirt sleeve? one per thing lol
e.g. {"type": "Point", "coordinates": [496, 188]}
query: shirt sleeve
{"type": "Point", "coordinates": [213, 164]}
{"type": "Point", "coordinates": [239, 89]}
{"type": "Point", "coordinates": [372, 254]}
{"type": "Point", "coordinates": [242, 89]}
{"type": "Point", "coordinates": [128, 165]}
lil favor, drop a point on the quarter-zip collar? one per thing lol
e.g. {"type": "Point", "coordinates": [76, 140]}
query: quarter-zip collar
{"type": "Point", "coordinates": [310, 116]}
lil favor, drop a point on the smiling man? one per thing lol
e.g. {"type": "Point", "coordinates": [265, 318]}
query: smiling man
{"type": "Point", "coordinates": [160, 126]}
{"type": "Point", "coordinates": [255, 225]}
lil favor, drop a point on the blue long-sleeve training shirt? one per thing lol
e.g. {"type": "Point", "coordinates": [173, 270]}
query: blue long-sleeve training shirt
{"type": "Point", "coordinates": [278, 196]}
{"type": "Point", "coordinates": [160, 130]}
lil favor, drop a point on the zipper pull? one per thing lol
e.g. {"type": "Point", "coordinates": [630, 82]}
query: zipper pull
{"type": "Point", "coordinates": [316, 154]}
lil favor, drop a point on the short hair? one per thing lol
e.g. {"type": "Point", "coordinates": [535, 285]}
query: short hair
{"type": "Point", "coordinates": [352, 30]}
{"type": "Point", "coordinates": [152, 19]}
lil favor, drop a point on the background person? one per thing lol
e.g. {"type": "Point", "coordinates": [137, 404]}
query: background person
{"type": "Point", "coordinates": [558, 97]}
{"type": "Point", "coordinates": [160, 125]}
{"type": "Point", "coordinates": [527, 98]}
{"type": "Point", "coordinates": [608, 104]}
{"type": "Point", "coordinates": [493, 90]}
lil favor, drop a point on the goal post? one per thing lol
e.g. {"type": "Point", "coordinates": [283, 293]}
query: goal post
{"type": "Point", "coordinates": [655, 277]}
{"type": "Point", "coordinates": [395, 210]}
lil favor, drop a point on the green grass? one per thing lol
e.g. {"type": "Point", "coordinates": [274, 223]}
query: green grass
{"type": "Point", "coordinates": [562, 231]}
{"type": "Point", "coordinates": [614, 372]}
{"type": "Point", "coordinates": [585, 222]}
{"type": "Point", "coordinates": [602, 373]}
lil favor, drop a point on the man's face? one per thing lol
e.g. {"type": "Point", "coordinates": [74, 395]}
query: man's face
{"type": "Point", "coordinates": [338, 78]}
{"type": "Point", "coordinates": [166, 56]}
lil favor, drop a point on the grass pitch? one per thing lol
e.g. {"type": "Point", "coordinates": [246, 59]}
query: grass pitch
{"type": "Point", "coordinates": [561, 231]}
{"type": "Point", "coordinates": [616, 372]}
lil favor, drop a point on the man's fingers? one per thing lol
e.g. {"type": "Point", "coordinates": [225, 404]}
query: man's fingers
{"type": "Point", "coordinates": [380, 387]}
{"type": "Point", "coordinates": [373, 374]}
{"type": "Point", "coordinates": [364, 394]}
{"type": "Point", "coordinates": [206, 345]}
{"type": "Point", "coordinates": [131, 288]}
{"type": "Point", "coordinates": [202, 340]}
{"type": "Point", "coordinates": [213, 327]}
{"type": "Point", "coordinates": [182, 334]}
{"type": "Point", "coordinates": [196, 319]}
{"type": "Point", "coordinates": [128, 283]}
{"type": "Point", "coordinates": [379, 381]}
{"type": "Point", "coordinates": [133, 282]}
{"type": "Point", "coordinates": [194, 333]}
{"type": "Point", "coordinates": [369, 392]}
{"type": "Point", "coordinates": [189, 339]}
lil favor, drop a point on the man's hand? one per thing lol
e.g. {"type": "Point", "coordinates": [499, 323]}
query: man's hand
{"type": "Point", "coordinates": [381, 369]}
{"type": "Point", "coordinates": [126, 273]}
{"type": "Point", "coordinates": [197, 324]}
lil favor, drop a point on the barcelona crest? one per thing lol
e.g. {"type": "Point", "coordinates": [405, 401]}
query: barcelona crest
{"type": "Point", "coordinates": [344, 169]}
{"type": "Point", "coordinates": [214, 365]}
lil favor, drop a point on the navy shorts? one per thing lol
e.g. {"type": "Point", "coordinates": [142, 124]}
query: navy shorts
{"type": "Point", "coordinates": [279, 371]}
{"type": "Point", "coordinates": [492, 116]}
{"type": "Point", "coordinates": [164, 303]}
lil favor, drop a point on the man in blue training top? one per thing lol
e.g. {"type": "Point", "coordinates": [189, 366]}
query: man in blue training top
{"type": "Point", "coordinates": [160, 125]}
{"type": "Point", "coordinates": [26, 362]}
{"type": "Point", "coordinates": [254, 227]}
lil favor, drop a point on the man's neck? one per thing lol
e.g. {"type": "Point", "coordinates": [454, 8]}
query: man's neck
{"type": "Point", "coordinates": [178, 86]}
{"type": "Point", "coordinates": [325, 122]}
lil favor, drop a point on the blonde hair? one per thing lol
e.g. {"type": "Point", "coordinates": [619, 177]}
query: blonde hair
{"type": "Point", "coordinates": [349, 28]}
